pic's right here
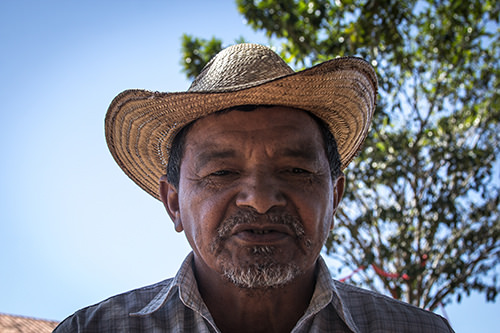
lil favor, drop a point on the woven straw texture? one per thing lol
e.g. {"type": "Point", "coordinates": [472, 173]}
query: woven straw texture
{"type": "Point", "coordinates": [141, 125]}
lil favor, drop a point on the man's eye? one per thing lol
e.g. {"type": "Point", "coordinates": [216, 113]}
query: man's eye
{"type": "Point", "coordinates": [298, 171]}
{"type": "Point", "coordinates": [220, 173]}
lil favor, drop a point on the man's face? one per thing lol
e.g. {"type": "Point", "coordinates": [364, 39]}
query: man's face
{"type": "Point", "coordinates": [255, 198]}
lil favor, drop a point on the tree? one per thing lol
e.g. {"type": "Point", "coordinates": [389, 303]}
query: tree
{"type": "Point", "coordinates": [420, 215]}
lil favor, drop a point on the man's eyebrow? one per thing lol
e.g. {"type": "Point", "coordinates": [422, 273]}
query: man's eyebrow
{"type": "Point", "coordinates": [210, 154]}
{"type": "Point", "coordinates": [305, 152]}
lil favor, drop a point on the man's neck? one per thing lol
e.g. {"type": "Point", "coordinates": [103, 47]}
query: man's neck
{"type": "Point", "coordinates": [236, 309]}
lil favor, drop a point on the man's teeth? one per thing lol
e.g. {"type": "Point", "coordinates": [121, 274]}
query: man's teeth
{"type": "Point", "coordinates": [260, 232]}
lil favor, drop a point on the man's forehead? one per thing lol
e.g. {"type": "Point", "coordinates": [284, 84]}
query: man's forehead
{"type": "Point", "coordinates": [280, 132]}
{"type": "Point", "coordinates": [304, 149]}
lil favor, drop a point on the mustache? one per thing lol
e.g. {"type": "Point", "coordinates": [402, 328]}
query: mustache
{"type": "Point", "coordinates": [249, 216]}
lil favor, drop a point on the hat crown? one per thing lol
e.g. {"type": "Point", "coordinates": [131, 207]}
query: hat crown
{"type": "Point", "coordinates": [238, 67]}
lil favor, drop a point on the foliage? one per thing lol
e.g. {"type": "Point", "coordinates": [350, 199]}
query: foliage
{"type": "Point", "coordinates": [420, 217]}
{"type": "Point", "coordinates": [193, 60]}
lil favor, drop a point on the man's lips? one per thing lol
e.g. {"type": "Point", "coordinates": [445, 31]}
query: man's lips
{"type": "Point", "coordinates": [262, 234]}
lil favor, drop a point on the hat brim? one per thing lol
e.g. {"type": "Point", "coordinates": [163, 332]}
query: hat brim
{"type": "Point", "coordinates": [140, 125]}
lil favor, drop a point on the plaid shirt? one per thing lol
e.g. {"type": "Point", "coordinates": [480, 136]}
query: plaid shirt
{"type": "Point", "coordinates": [175, 305]}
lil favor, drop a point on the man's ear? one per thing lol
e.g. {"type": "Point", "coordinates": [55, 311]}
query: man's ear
{"type": "Point", "coordinates": [169, 195]}
{"type": "Point", "coordinates": [338, 192]}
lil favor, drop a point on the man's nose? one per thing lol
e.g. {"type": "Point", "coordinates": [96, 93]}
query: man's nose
{"type": "Point", "coordinates": [261, 192]}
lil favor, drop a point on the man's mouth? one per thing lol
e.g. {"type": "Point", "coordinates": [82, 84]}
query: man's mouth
{"type": "Point", "coordinates": [262, 235]}
{"type": "Point", "coordinates": [260, 232]}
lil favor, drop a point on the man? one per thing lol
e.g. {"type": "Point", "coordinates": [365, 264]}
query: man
{"type": "Point", "coordinates": [248, 163]}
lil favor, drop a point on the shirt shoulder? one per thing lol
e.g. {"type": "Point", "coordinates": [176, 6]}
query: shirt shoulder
{"type": "Point", "coordinates": [113, 314]}
{"type": "Point", "coordinates": [374, 312]}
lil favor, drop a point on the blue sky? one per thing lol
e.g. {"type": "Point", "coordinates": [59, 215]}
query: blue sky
{"type": "Point", "coordinates": [73, 228]}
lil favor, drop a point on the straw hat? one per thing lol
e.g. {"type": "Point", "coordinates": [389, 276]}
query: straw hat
{"type": "Point", "coordinates": [141, 125]}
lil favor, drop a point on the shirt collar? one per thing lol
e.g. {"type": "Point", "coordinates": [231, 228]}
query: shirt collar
{"type": "Point", "coordinates": [326, 293]}
{"type": "Point", "coordinates": [184, 283]}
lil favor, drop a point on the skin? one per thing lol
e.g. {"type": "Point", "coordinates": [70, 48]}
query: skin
{"type": "Point", "coordinates": [270, 161]}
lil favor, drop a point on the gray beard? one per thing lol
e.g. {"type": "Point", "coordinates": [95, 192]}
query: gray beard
{"type": "Point", "coordinates": [267, 274]}
{"type": "Point", "coordinates": [264, 272]}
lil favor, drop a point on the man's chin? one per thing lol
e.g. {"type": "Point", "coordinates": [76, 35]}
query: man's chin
{"type": "Point", "coordinates": [261, 274]}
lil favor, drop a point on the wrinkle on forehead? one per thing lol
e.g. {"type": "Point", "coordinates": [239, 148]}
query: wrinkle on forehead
{"type": "Point", "coordinates": [209, 150]}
